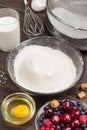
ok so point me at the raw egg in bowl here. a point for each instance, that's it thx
(18, 108)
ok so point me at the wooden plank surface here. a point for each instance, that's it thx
(9, 87)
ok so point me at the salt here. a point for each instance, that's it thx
(9, 33)
(43, 69)
(3, 78)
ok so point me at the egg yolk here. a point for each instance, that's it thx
(21, 111)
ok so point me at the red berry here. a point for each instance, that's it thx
(52, 129)
(82, 119)
(67, 128)
(48, 112)
(47, 123)
(78, 128)
(66, 105)
(75, 123)
(66, 118)
(75, 113)
(55, 119)
(42, 128)
(47, 128)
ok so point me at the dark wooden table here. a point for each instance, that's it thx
(7, 86)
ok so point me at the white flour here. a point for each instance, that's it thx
(43, 69)
(71, 18)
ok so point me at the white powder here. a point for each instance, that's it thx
(70, 18)
(43, 69)
(9, 33)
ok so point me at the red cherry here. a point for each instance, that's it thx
(75, 113)
(66, 118)
(55, 119)
(48, 112)
(67, 128)
(66, 105)
(78, 129)
(75, 123)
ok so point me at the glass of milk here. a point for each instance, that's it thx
(9, 29)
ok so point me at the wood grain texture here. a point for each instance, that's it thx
(9, 87)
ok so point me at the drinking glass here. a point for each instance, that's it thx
(9, 29)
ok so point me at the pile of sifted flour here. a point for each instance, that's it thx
(68, 22)
(71, 18)
(42, 69)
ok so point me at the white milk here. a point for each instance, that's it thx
(70, 18)
(9, 33)
(43, 69)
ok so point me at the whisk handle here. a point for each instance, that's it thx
(25, 2)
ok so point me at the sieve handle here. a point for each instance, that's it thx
(25, 2)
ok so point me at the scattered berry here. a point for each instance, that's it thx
(52, 129)
(82, 119)
(75, 113)
(48, 112)
(66, 118)
(47, 128)
(78, 129)
(47, 123)
(42, 128)
(75, 123)
(56, 119)
(67, 128)
(66, 105)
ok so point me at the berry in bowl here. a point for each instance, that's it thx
(62, 114)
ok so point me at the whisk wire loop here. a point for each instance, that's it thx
(33, 25)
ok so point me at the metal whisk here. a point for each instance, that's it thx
(33, 25)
